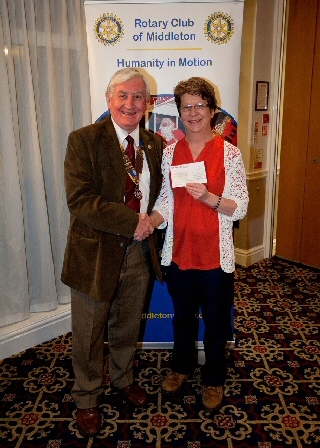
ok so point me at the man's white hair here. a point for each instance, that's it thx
(123, 75)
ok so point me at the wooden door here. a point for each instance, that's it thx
(298, 214)
(310, 236)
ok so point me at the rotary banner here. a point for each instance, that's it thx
(169, 41)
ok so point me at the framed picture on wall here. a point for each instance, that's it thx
(262, 95)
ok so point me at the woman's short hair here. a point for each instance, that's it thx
(123, 75)
(196, 86)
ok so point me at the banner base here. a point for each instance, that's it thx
(169, 345)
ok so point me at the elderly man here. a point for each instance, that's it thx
(112, 178)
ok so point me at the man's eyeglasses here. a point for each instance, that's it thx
(196, 107)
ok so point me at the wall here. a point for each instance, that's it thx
(261, 60)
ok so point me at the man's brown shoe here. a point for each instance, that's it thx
(135, 395)
(212, 397)
(173, 382)
(89, 421)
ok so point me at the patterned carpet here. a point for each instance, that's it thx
(272, 394)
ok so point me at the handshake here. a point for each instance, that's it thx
(144, 228)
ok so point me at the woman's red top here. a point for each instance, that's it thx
(196, 225)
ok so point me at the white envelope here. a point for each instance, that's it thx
(188, 172)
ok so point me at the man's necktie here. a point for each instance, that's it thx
(130, 199)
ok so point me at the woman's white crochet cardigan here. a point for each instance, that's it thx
(235, 188)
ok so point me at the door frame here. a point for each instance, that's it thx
(274, 142)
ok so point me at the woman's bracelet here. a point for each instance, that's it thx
(218, 203)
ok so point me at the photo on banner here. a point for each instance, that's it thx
(168, 41)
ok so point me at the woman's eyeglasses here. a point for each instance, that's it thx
(196, 107)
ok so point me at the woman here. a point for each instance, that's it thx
(198, 247)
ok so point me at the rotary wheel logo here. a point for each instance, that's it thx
(108, 29)
(219, 28)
